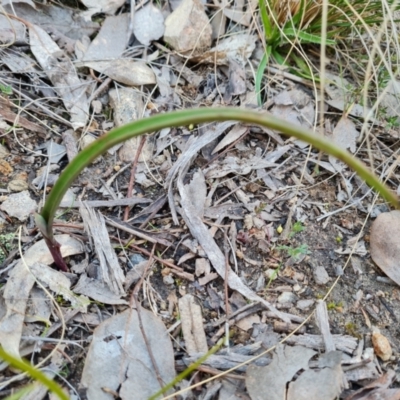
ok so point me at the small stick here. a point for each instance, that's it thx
(134, 299)
(227, 149)
(100, 89)
(227, 306)
(176, 270)
(133, 172)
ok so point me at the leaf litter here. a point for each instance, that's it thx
(235, 195)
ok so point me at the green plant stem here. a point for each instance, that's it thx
(260, 74)
(188, 370)
(34, 373)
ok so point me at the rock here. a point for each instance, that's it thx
(168, 279)
(135, 259)
(188, 28)
(19, 182)
(382, 346)
(128, 106)
(304, 304)
(68, 199)
(19, 205)
(287, 297)
(258, 222)
(271, 274)
(18, 185)
(5, 168)
(148, 24)
(2, 224)
(321, 277)
(3, 152)
(86, 141)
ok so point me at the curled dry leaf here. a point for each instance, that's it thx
(382, 346)
(385, 246)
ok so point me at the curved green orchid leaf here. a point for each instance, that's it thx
(198, 116)
(34, 373)
(305, 37)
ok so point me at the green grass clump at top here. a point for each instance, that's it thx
(289, 25)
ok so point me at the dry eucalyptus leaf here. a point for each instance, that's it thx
(270, 382)
(62, 74)
(148, 24)
(126, 71)
(21, 281)
(322, 384)
(118, 358)
(111, 41)
(344, 135)
(11, 30)
(385, 246)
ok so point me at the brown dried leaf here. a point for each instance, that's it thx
(385, 247)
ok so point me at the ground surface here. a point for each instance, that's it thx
(246, 199)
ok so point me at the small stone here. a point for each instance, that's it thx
(19, 205)
(321, 277)
(188, 28)
(87, 140)
(203, 266)
(5, 168)
(135, 259)
(17, 185)
(2, 224)
(271, 274)
(304, 304)
(248, 221)
(287, 297)
(68, 199)
(19, 182)
(382, 346)
(168, 279)
(3, 152)
(258, 222)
